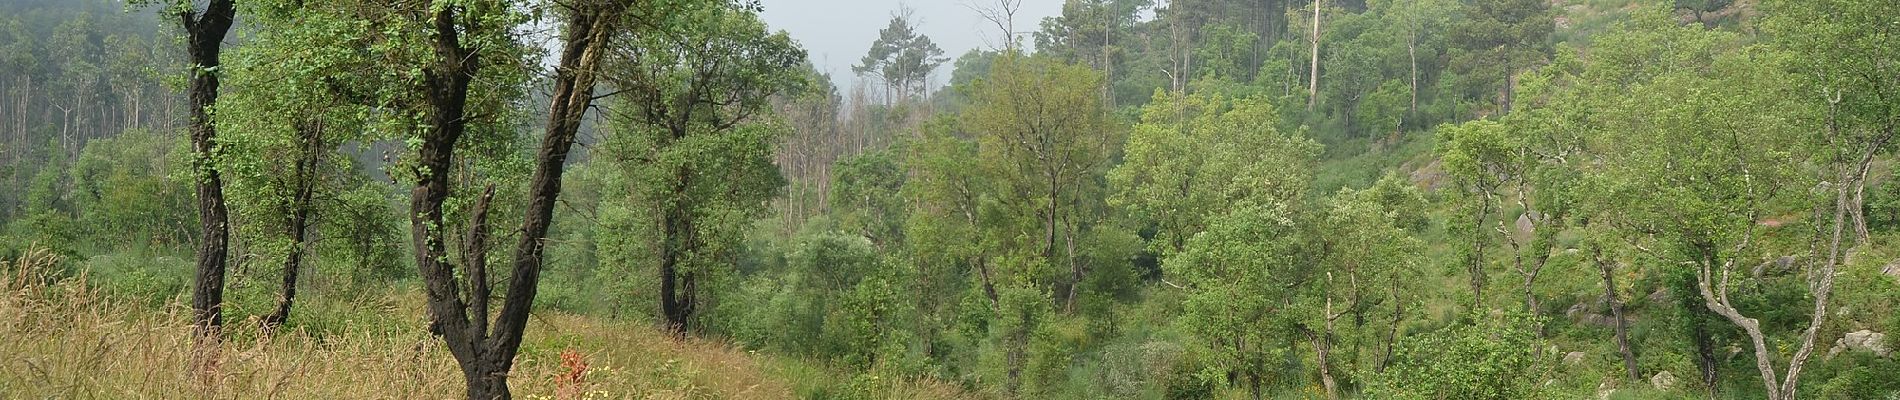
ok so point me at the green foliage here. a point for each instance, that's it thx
(362, 224)
(901, 57)
(693, 154)
(128, 192)
(1238, 274)
(1491, 357)
(1868, 378)
(1225, 51)
(144, 275)
(1195, 156)
(864, 193)
(1139, 209)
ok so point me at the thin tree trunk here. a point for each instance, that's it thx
(1323, 344)
(1075, 271)
(297, 222)
(205, 33)
(1312, 84)
(1705, 358)
(1857, 205)
(1822, 287)
(1616, 310)
(1477, 250)
(1392, 333)
(1411, 51)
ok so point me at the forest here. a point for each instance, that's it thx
(1144, 199)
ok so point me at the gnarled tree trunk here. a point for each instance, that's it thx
(462, 319)
(204, 33)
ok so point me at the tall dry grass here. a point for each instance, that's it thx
(61, 339)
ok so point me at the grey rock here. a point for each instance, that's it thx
(1862, 340)
(1575, 310)
(1659, 296)
(1575, 357)
(1525, 226)
(1663, 380)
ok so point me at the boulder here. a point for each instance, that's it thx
(1862, 340)
(1663, 380)
(1526, 225)
(1776, 266)
(1659, 296)
(1584, 313)
(1573, 358)
(1576, 309)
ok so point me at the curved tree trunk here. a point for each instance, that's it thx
(205, 33)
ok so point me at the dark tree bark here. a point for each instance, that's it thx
(1616, 310)
(204, 32)
(462, 319)
(676, 296)
(447, 80)
(297, 222)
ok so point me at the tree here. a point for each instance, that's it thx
(1416, 23)
(450, 59)
(464, 41)
(1501, 38)
(204, 39)
(1724, 161)
(131, 189)
(1047, 137)
(817, 141)
(1845, 54)
(1241, 275)
(285, 115)
(1365, 257)
(901, 57)
(1699, 8)
(1312, 83)
(691, 137)
(866, 194)
(1096, 32)
(1564, 118)
(1193, 156)
(1523, 158)
(1479, 155)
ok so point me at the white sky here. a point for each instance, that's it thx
(837, 33)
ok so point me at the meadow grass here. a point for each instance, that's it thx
(66, 339)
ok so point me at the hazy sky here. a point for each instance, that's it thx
(839, 32)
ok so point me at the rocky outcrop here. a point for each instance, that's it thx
(1861, 340)
(1585, 314)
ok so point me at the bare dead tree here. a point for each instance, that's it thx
(1001, 13)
